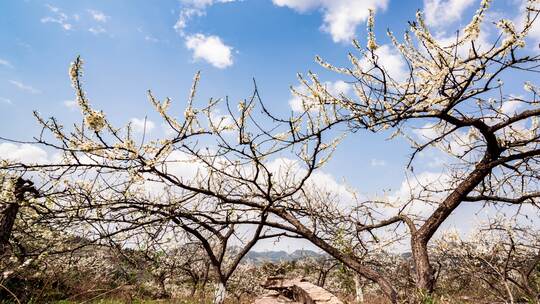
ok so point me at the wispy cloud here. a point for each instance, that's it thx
(98, 16)
(5, 63)
(97, 30)
(194, 8)
(71, 104)
(24, 87)
(151, 38)
(58, 17)
(5, 100)
(377, 162)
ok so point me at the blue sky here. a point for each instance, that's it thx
(130, 46)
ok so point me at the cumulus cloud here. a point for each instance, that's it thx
(210, 49)
(5, 63)
(24, 87)
(334, 88)
(285, 170)
(391, 59)
(25, 153)
(340, 17)
(509, 107)
(444, 12)
(142, 125)
(412, 196)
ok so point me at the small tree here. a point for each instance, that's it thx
(501, 259)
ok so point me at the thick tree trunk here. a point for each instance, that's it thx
(424, 274)
(220, 293)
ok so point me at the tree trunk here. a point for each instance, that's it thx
(9, 213)
(358, 288)
(163, 293)
(7, 220)
(194, 285)
(350, 260)
(220, 293)
(424, 274)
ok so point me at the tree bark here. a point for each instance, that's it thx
(7, 220)
(220, 293)
(351, 261)
(424, 273)
(358, 289)
(9, 213)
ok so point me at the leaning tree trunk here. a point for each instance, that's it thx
(351, 261)
(424, 274)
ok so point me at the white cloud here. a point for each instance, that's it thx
(25, 153)
(185, 15)
(392, 61)
(65, 25)
(509, 107)
(151, 39)
(286, 171)
(5, 100)
(24, 87)
(59, 18)
(98, 16)
(334, 88)
(220, 120)
(341, 17)
(534, 32)
(142, 125)
(97, 30)
(5, 63)
(420, 193)
(194, 8)
(441, 12)
(377, 162)
(210, 49)
(71, 104)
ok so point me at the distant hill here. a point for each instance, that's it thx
(278, 256)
